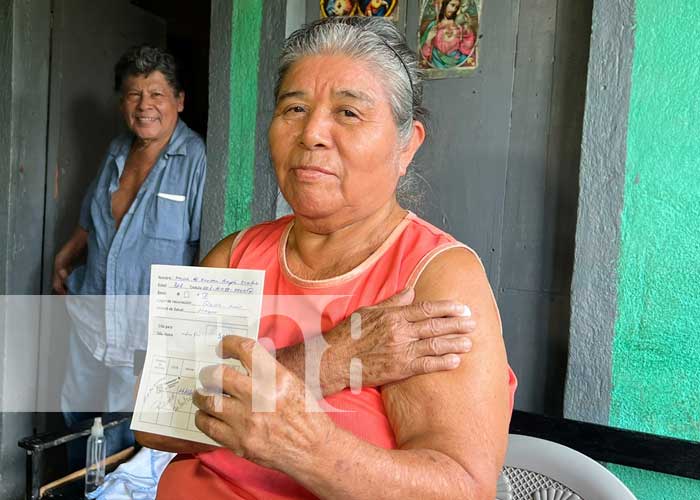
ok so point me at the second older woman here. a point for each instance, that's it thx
(346, 127)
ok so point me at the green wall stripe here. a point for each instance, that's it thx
(656, 350)
(246, 22)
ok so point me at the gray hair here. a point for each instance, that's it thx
(144, 60)
(373, 40)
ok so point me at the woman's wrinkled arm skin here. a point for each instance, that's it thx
(171, 444)
(390, 347)
(451, 427)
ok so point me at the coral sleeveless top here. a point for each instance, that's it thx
(295, 309)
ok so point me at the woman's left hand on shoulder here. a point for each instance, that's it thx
(267, 416)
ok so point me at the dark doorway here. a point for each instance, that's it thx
(87, 37)
(187, 37)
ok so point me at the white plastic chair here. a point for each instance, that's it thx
(536, 469)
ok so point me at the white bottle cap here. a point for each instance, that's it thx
(97, 429)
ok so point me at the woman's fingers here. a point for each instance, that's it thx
(227, 380)
(241, 348)
(218, 430)
(438, 327)
(423, 310)
(257, 390)
(246, 350)
(431, 364)
(439, 346)
(214, 404)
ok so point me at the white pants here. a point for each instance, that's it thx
(92, 387)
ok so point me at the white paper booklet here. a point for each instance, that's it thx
(190, 310)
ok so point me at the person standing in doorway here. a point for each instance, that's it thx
(143, 208)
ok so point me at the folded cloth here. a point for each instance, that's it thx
(136, 479)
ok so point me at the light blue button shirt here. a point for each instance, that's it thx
(161, 226)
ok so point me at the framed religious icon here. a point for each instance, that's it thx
(391, 9)
(448, 37)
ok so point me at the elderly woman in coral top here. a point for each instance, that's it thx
(346, 127)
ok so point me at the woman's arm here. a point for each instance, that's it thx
(451, 427)
(171, 444)
(391, 347)
(221, 253)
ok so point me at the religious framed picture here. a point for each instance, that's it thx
(331, 8)
(448, 37)
(391, 9)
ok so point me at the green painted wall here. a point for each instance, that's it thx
(246, 22)
(656, 352)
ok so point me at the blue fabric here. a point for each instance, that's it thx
(161, 226)
(136, 479)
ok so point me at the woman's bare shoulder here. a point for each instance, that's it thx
(456, 273)
(463, 413)
(220, 255)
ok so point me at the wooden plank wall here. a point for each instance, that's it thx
(500, 172)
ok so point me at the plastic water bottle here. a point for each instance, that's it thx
(95, 458)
